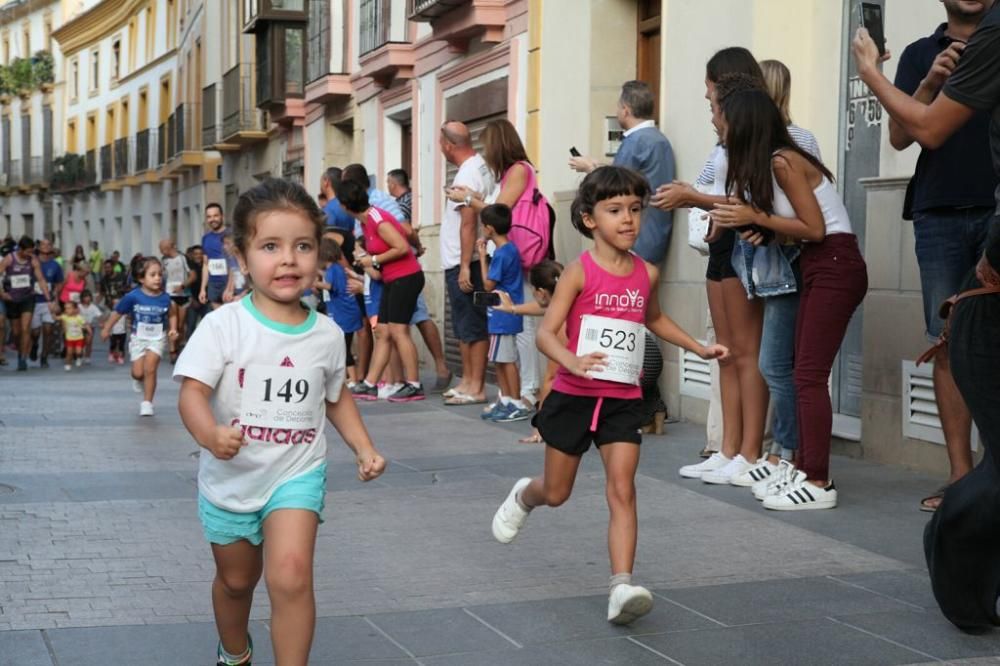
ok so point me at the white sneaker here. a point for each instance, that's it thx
(762, 471)
(783, 476)
(145, 408)
(712, 463)
(385, 390)
(79, 362)
(510, 517)
(627, 603)
(137, 385)
(731, 470)
(67, 367)
(803, 497)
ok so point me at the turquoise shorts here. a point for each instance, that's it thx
(223, 527)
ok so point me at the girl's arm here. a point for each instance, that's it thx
(488, 284)
(346, 418)
(667, 329)
(172, 319)
(109, 324)
(547, 340)
(532, 309)
(792, 173)
(42, 282)
(196, 413)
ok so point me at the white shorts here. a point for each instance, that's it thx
(42, 315)
(137, 346)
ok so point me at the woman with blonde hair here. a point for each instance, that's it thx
(778, 84)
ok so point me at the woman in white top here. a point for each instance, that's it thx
(793, 194)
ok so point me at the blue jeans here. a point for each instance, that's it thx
(949, 243)
(777, 363)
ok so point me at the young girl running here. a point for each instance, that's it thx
(341, 305)
(260, 376)
(797, 199)
(149, 308)
(604, 299)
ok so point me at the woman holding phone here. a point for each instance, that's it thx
(792, 194)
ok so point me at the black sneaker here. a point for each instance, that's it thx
(44, 363)
(33, 354)
(363, 391)
(408, 393)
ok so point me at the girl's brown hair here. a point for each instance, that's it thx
(273, 194)
(142, 265)
(329, 250)
(502, 147)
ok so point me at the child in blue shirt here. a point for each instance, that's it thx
(341, 305)
(503, 274)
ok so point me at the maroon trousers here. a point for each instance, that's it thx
(834, 282)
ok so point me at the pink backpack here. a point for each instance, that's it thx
(533, 220)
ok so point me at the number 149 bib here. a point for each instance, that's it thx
(277, 397)
(621, 341)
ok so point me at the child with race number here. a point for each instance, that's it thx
(543, 278)
(260, 377)
(149, 308)
(92, 315)
(603, 299)
(76, 330)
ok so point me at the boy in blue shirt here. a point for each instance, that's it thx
(503, 274)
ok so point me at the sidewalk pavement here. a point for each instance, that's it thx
(102, 559)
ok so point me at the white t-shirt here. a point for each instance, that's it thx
(255, 364)
(475, 175)
(90, 313)
(175, 270)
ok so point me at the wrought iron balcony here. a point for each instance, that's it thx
(163, 140)
(40, 171)
(90, 164)
(210, 128)
(428, 10)
(16, 174)
(142, 152)
(242, 121)
(121, 158)
(106, 163)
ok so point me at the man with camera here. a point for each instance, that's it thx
(950, 200)
(962, 541)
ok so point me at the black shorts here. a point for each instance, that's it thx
(468, 320)
(17, 308)
(720, 258)
(564, 422)
(181, 301)
(399, 299)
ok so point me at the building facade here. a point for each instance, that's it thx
(168, 104)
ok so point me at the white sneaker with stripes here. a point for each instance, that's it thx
(783, 476)
(762, 471)
(803, 497)
(714, 462)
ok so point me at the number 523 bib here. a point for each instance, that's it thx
(277, 397)
(621, 341)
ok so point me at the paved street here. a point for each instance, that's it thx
(102, 560)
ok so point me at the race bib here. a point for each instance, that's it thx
(74, 296)
(279, 397)
(621, 341)
(217, 267)
(173, 287)
(149, 331)
(20, 281)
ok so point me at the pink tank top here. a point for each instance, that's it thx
(397, 268)
(606, 295)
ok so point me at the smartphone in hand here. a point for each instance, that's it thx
(574, 152)
(487, 299)
(871, 20)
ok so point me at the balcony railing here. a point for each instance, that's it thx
(16, 175)
(90, 163)
(161, 144)
(209, 115)
(428, 10)
(374, 24)
(106, 163)
(179, 137)
(121, 158)
(142, 152)
(239, 106)
(40, 171)
(171, 137)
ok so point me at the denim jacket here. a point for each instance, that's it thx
(765, 270)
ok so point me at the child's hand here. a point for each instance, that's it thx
(173, 335)
(227, 442)
(370, 465)
(506, 304)
(585, 364)
(717, 352)
(481, 247)
(105, 334)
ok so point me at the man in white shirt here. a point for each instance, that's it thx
(459, 230)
